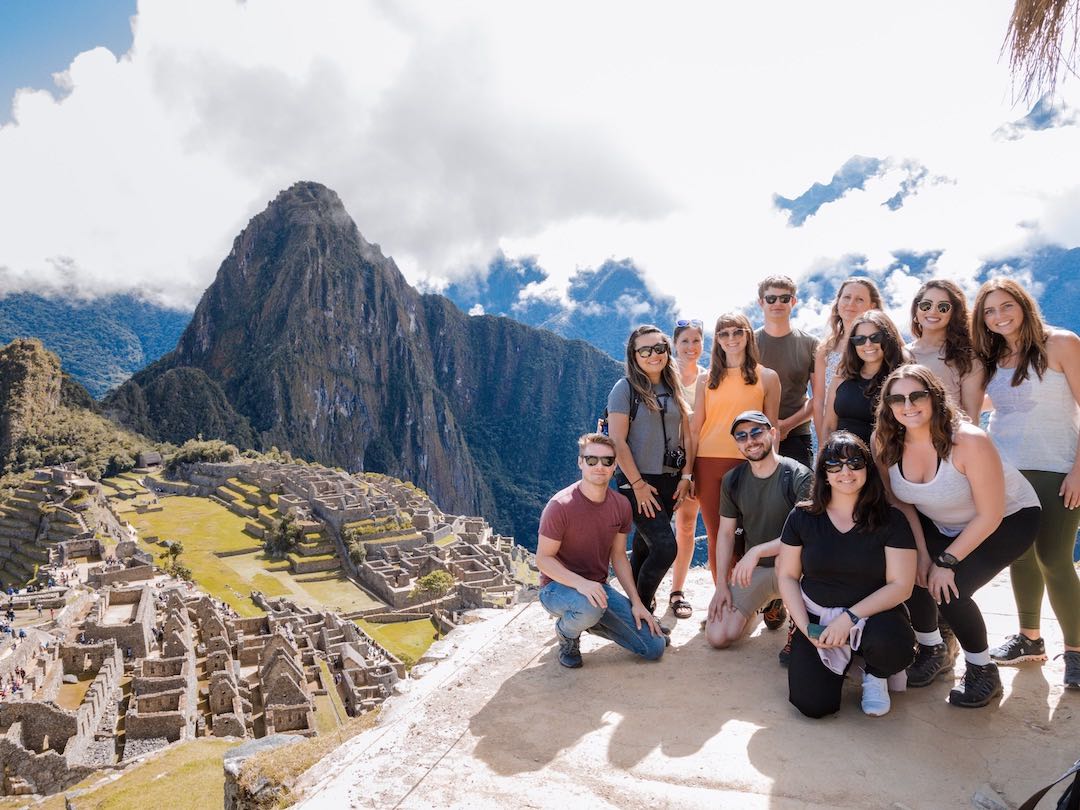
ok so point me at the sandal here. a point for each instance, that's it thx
(679, 606)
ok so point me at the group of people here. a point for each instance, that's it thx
(873, 547)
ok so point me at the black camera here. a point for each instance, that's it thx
(675, 459)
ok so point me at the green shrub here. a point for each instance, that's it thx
(432, 586)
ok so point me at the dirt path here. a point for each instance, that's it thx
(500, 724)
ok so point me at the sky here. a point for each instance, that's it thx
(686, 137)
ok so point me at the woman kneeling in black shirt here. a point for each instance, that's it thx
(847, 562)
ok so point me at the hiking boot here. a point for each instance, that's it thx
(1019, 648)
(1072, 668)
(785, 653)
(930, 661)
(980, 685)
(774, 614)
(569, 651)
(875, 696)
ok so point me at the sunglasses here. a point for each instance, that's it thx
(607, 461)
(783, 299)
(834, 465)
(741, 436)
(942, 306)
(900, 399)
(876, 337)
(683, 322)
(649, 351)
(728, 334)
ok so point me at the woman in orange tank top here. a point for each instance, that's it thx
(736, 382)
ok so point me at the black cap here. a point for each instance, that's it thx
(751, 416)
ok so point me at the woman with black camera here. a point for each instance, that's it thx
(847, 563)
(648, 421)
(720, 397)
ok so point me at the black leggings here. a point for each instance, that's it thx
(887, 647)
(654, 547)
(1013, 536)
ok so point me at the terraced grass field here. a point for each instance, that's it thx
(407, 640)
(205, 527)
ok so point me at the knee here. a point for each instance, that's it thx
(589, 614)
(814, 706)
(717, 638)
(654, 648)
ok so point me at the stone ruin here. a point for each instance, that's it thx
(405, 535)
(56, 516)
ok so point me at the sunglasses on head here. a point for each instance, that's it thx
(728, 334)
(683, 322)
(649, 351)
(741, 436)
(834, 465)
(900, 399)
(942, 306)
(876, 337)
(592, 461)
(785, 298)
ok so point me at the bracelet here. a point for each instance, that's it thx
(635, 483)
(687, 477)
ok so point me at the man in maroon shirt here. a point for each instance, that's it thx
(582, 530)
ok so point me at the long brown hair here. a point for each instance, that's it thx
(836, 323)
(959, 352)
(991, 348)
(944, 420)
(871, 507)
(892, 350)
(717, 360)
(639, 380)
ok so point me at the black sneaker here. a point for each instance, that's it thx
(774, 614)
(785, 654)
(1072, 668)
(569, 651)
(1019, 648)
(930, 661)
(979, 686)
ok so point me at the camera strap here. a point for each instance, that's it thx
(662, 399)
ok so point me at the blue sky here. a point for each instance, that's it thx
(40, 37)
(454, 132)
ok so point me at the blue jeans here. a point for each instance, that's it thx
(575, 614)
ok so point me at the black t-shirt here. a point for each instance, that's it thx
(841, 568)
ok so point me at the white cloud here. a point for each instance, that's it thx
(573, 132)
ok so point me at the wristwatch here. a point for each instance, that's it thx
(687, 477)
(946, 560)
(854, 619)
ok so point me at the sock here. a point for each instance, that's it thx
(868, 677)
(980, 659)
(929, 639)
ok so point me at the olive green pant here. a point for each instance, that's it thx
(1048, 564)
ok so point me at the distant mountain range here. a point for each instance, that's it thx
(310, 340)
(602, 306)
(100, 342)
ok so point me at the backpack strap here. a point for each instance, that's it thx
(1070, 800)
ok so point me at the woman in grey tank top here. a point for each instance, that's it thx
(1033, 373)
(971, 516)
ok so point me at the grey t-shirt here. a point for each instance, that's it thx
(763, 503)
(646, 437)
(792, 358)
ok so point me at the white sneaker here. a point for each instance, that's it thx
(875, 696)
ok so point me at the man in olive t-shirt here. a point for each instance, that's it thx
(790, 353)
(763, 499)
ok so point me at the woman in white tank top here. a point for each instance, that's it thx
(971, 516)
(1033, 373)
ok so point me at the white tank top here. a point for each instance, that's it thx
(947, 500)
(1036, 424)
(689, 391)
